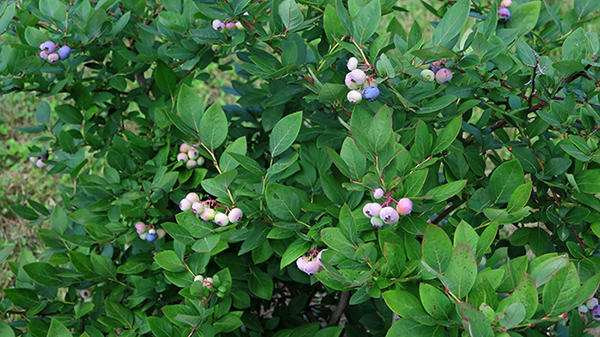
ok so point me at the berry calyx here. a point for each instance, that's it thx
(443, 76)
(389, 215)
(428, 75)
(218, 25)
(52, 58)
(372, 209)
(404, 206)
(84, 293)
(48, 46)
(235, 215)
(354, 96)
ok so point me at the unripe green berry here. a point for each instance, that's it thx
(354, 96)
(427, 75)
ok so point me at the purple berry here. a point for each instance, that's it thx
(48, 46)
(443, 76)
(64, 52)
(503, 15)
(596, 312)
(370, 93)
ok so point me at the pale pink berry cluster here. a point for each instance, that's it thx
(385, 214)
(228, 24)
(357, 80)
(207, 282)
(312, 263)
(39, 161)
(49, 53)
(148, 233)
(592, 306)
(204, 210)
(190, 156)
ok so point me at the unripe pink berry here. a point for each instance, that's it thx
(200, 161)
(389, 215)
(185, 205)
(352, 63)
(350, 84)
(52, 58)
(591, 303)
(161, 233)
(235, 215)
(198, 278)
(182, 157)
(221, 219)
(198, 207)
(319, 256)
(230, 25)
(301, 262)
(190, 164)
(192, 197)
(404, 206)
(39, 163)
(358, 76)
(43, 55)
(376, 222)
(354, 96)
(371, 209)
(184, 148)
(443, 76)
(208, 214)
(506, 3)
(140, 227)
(218, 25)
(193, 153)
(312, 267)
(378, 193)
(207, 282)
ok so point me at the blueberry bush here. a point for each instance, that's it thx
(368, 180)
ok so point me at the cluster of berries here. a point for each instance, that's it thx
(50, 54)
(361, 85)
(503, 12)
(203, 210)
(230, 25)
(437, 73)
(207, 282)
(312, 263)
(592, 306)
(190, 156)
(383, 213)
(39, 161)
(150, 234)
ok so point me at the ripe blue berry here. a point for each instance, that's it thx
(64, 52)
(151, 236)
(503, 15)
(48, 46)
(370, 93)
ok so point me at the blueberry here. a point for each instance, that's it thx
(64, 52)
(151, 236)
(503, 15)
(370, 93)
(48, 46)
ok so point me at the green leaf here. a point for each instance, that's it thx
(381, 127)
(443, 192)
(464, 232)
(435, 302)
(447, 135)
(190, 108)
(290, 14)
(119, 312)
(159, 326)
(474, 321)
(451, 24)
(226, 162)
(526, 294)
(83, 308)
(347, 223)
(165, 79)
(284, 133)
(104, 266)
(43, 273)
(560, 293)
(519, 198)
(248, 163)
(407, 327)
(588, 181)
(260, 284)
(395, 258)
(207, 243)
(255, 239)
(437, 248)
(5, 252)
(42, 113)
(414, 183)
(5, 329)
(406, 304)
(169, 260)
(57, 329)
(366, 22)
(544, 271)
(22, 297)
(524, 17)
(180, 233)
(335, 239)
(462, 270)
(422, 145)
(486, 239)
(505, 179)
(332, 24)
(283, 201)
(583, 8)
(214, 130)
(59, 220)
(295, 250)
(437, 104)
(24, 212)
(355, 162)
